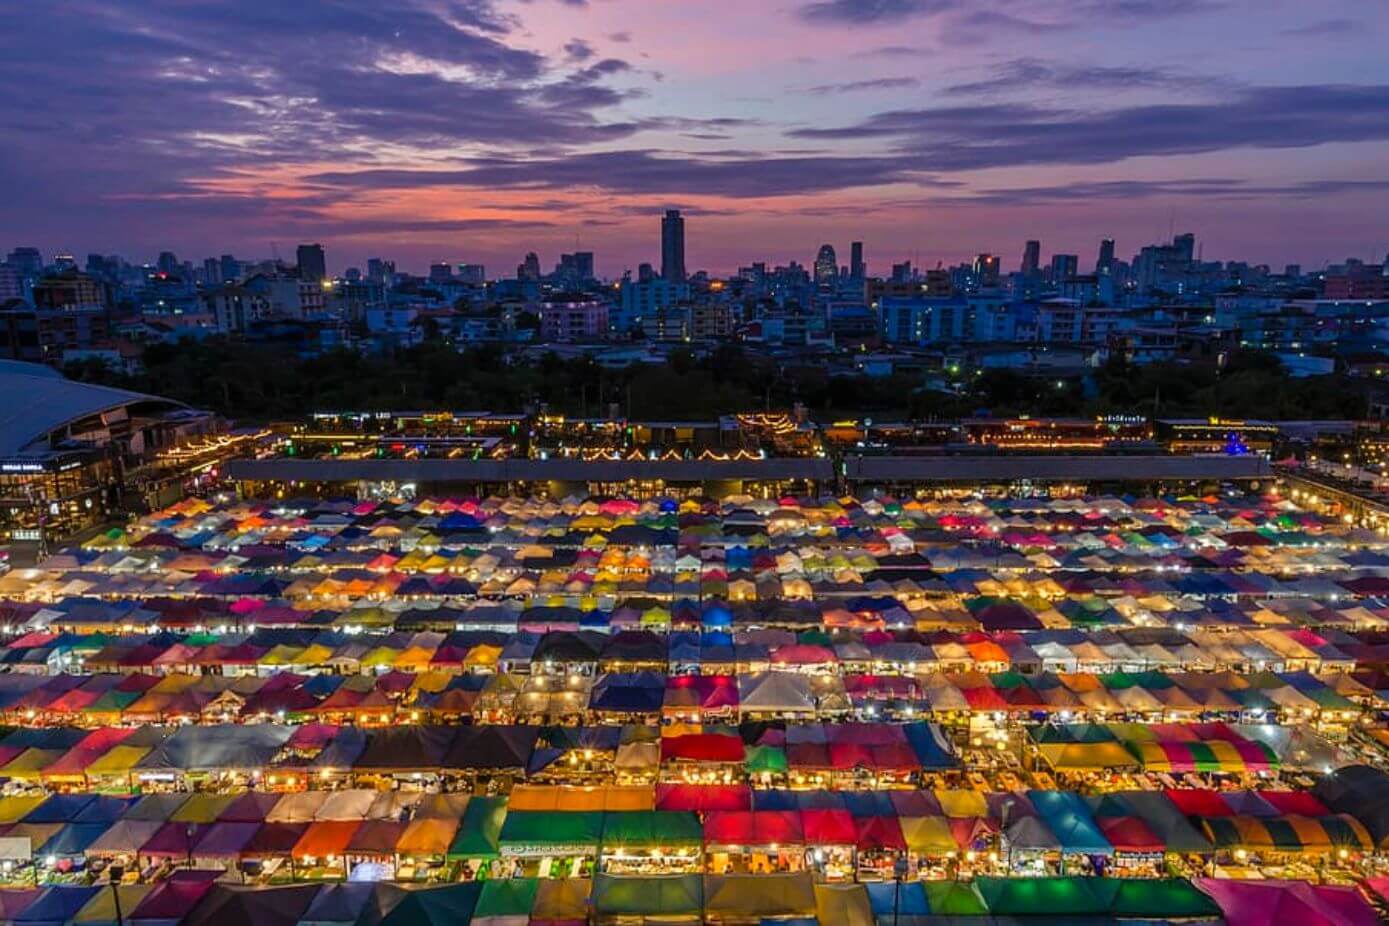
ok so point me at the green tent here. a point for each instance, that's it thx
(670, 895)
(1005, 681)
(1057, 896)
(113, 702)
(547, 832)
(478, 832)
(765, 759)
(507, 897)
(954, 898)
(1071, 733)
(450, 905)
(648, 829)
(1161, 898)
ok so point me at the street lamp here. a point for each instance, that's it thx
(1003, 814)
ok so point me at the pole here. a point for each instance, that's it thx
(114, 875)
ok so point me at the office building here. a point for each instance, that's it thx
(313, 266)
(643, 297)
(11, 287)
(380, 270)
(826, 265)
(1104, 264)
(70, 289)
(1031, 257)
(857, 268)
(574, 319)
(986, 269)
(673, 246)
(27, 262)
(1064, 266)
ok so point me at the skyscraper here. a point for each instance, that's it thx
(673, 246)
(27, 262)
(857, 268)
(530, 267)
(1105, 263)
(1031, 257)
(1063, 267)
(986, 267)
(313, 266)
(378, 269)
(826, 265)
(1186, 246)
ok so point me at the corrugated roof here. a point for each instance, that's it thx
(36, 401)
(1121, 468)
(529, 470)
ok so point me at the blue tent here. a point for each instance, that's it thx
(907, 898)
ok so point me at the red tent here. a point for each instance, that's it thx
(829, 828)
(1199, 802)
(703, 798)
(702, 747)
(1130, 834)
(879, 833)
(753, 828)
(1298, 803)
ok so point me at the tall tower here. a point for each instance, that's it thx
(313, 266)
(673, 246)
(1031, 257)
(1105, 263)
(826, 265)
(857, 268)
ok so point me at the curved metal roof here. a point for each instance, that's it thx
(35, 400)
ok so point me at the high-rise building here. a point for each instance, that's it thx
(1186, 246)
(986, 268)
(530, 267)
(857, 268)
(70, 289)
(440, 272)
(472, 274)
(1063, 267)
(826, 265)
(167, 263)
(1031, 257)
(212, 272)
(379, 270)
(673, 246)
(313, 266)
(1105, 262)
(575, 268)
(27, 262)
(10, 286)
(231, 268)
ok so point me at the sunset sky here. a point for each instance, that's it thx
(475, 130)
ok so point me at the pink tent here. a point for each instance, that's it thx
(1270, 903)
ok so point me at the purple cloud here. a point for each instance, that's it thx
(1014, 134)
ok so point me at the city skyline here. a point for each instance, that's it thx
(479, 131)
